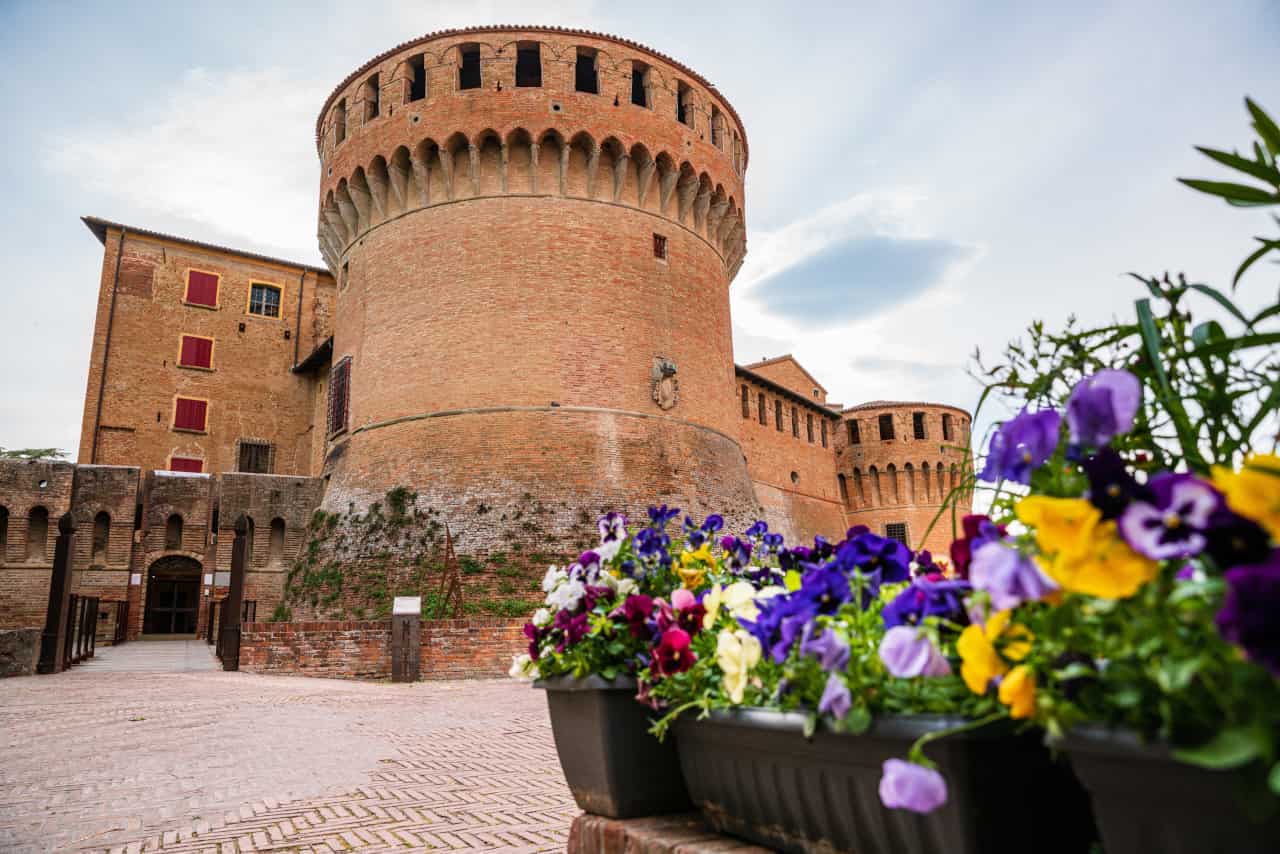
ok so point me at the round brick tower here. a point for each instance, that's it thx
(896, 464)
(534, 230)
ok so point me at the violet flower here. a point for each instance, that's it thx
(978, 529)
(1102, 407)
(836, 700)
(1174, 522)
(661, 515)
(907, 653)
(908, 786)
(1008, 576)
(1249, 612)
(1111, 486)
(613, 530)
(1021, 445)
(925, 598)
(1233, 540)
(831, 651)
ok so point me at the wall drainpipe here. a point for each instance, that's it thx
(297, 330)
(106, 349)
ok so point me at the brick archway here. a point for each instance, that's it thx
(172, 599)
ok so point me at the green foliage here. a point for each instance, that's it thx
(32, 454)
(282, 614)
(470, 566)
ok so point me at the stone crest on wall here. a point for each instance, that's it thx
(666, 388)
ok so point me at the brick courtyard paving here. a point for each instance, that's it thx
(212, 761)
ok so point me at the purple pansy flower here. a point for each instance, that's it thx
(1234, 540)
(1111, 486)
(1248, 615)
(1173, 523)
(1009, 577)
(925, 598)
(613, 530)
(836, 700)
(880, 560)
(908, 786)
(907, 653)
(652, 544)
(757, 530)
(661, 515)
(1102, 407)
(826, 587)
(1021, 445)
(830, 650)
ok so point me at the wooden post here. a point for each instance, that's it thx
(229, 633)
(52, 640)
(406, 638)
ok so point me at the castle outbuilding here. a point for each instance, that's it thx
(529, 236)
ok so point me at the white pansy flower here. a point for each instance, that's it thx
(609, 550)
(626, 587)
(553, 577)
(541, 617)
(567, 596)
(523, 668)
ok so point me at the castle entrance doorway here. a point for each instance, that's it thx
(173, 597)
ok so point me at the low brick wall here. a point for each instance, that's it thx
(360, 649)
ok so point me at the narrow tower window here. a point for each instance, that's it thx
(896, 531)
(275, 546)
(746, 403)
(886, 427)
(340, 122)
(469, 66)
(4, 533)
(684, 113)
(586, 78)
(660, 247)
(809, 425)
(173, 532)
(339, 390)
(37, 533)
(417, 77)
(372, 98)
(761, 410)
(855, 437)
(639, 84)
(824, 432)
(101, 537)
(917, 425)
(777, 415)
(717, 127)
(795, 422)
(528, 64)
(947, 432)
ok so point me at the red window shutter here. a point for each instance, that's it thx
(202, 288)
(196, 352)
(190, 414)
(186, 464)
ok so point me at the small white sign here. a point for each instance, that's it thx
(135, 579)
(407, 605)
(208, 579)
(222, 579)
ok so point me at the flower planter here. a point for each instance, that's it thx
(613, 766)
(1146, 800)
(754, 775)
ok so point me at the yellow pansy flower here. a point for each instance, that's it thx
(1062, 525)
(1018, 692)
(693, 567)
(736, 653)
(1105, 566)
(738, 597)
(980, 661)
(1254, 491)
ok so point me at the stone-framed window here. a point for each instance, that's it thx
(195, 351)
(255, 456)
(896, 531)
(202, 288)
(190, 414)
(264, 299)
(886, 427)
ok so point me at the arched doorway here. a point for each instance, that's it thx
(173, 596)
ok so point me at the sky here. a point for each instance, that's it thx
(925, 178)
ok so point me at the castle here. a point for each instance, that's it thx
(529, 235)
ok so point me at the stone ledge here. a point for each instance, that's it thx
(684, 833)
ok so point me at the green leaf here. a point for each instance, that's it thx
(1261, 171)
(810, 725)
(1265, 127)
(1207, 333)
(1230, 748)
(1273, 779)
(1267, 246)
(1174, 676)
(1127, 697)
(609, 672)
(1222, 300)
(1235, 194)
(1244, 342)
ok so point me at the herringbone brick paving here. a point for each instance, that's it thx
(223, 762)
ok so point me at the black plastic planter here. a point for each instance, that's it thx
(1146, 800)
(754, 775)
(613, 766)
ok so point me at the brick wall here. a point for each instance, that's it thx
(250, 389)
(359, 649)
(26, 558)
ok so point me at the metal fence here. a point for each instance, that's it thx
(82, 629)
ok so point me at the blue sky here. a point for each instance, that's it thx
(925, 178)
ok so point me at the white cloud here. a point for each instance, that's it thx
(232, 150)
